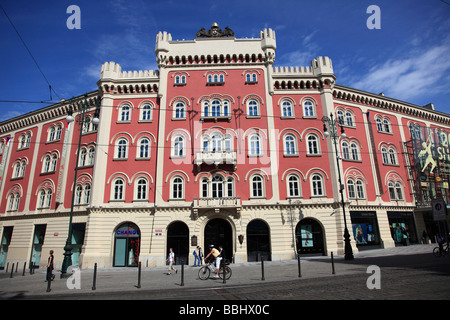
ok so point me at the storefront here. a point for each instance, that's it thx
(126, 245)
(258, 241)
(365, 228)
(309, 237)
(403, 227)
(6, 240)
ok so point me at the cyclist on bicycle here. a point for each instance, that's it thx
(216, 254)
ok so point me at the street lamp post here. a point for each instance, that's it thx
(82, 120)
(333, 134)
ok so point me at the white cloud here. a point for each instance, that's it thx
(418, 73)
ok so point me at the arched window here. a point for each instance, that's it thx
(349, 119)
(360, 189)
(293, 186)
(53, 163)
(82, 161)
(257, 187)
(354, 150)
(230, 187)
(146, 112)
(255, 145)
(23, 164)
(345, 150)
(287, 109)
(51, 135)
(384, 155)
(308, 109)
(379, 125)
(392, 156)
(78, 194)
(399, 191)
(252, 108)
(122, 145)
(125, 113)
(204, 188)
(215, 108)
(144, 148)
(46, 166)
(179, 110)
(119, 189)
(87, 193)
(317, 186)
(58, 132)
(290, 145)
(340, 116)
(178, 147)
(386, 126)
(177, 188)
(216, 142)
(217, 187)
(351, 189)
(91, 156)
(141, 189)
(313, 144)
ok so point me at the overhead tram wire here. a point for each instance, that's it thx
(34, 59)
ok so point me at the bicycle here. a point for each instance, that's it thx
(206, 270)
(439, 253)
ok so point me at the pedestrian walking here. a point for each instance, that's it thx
(171, 260)
(197, 261)
(50, 276)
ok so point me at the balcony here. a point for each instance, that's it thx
(227, 203)
(215, 158)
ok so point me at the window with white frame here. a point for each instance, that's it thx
(217, 186)
(46, 164)
(389, 155)
(179, 110)
(82, 158)
(255, 145)
(290, 145)
(144, 148)
(45, 199)
(91, 156)
(51, 134)
(251, 78)
(395, 190)
(122, 149)
(312, 141)
(257, 186)
(355, 189)
(253, 108)
(309, 110)
(293, 182)
(146, 112)
(142, 189)
(13, 202)
(125, 113)
(349, 119)
(317, 186)
(53, 163)
(287, 110)
(340, 116)
(178, 147)
(354, 151)
(180, 79)
(177, 188)
(118, 192)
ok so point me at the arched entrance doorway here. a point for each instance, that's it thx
(219, 233)
(127, 243)
(309, 237)
(178, 240)
(258, 241)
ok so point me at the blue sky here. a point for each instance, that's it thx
(407, 59)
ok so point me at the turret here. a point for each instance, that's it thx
(162, 47)
(322, 66)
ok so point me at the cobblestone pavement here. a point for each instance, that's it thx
(407, 273)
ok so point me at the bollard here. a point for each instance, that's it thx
(262, 268)
(49, 281)
(24, 267)
(139, 275)
(7, 267)
(299, 267)
(95, 277)
(223, 272)
(12, 270)
(332, 263)
(182, 274)
(17, 265)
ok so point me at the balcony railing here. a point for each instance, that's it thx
(216, 158)
(206, 204)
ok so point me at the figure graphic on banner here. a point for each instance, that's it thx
(429, 159)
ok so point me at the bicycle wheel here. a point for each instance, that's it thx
(437, 252)
(204, 272)
(227, 273)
